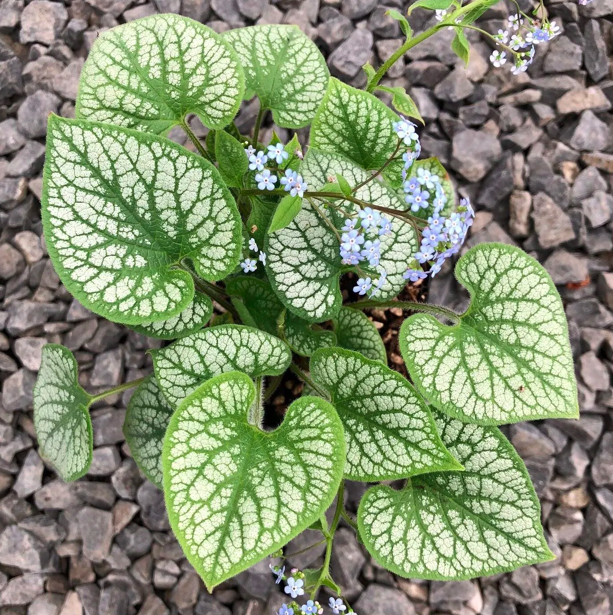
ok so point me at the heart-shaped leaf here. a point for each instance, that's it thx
(304, 262)
(355, 125)
(284, 68)
(235, 493)
(144, 427)
(181, 367)
(389, 430)
(122, 209)
(61, 415)
(286, 211)
(192, 318)
(355, 331)
(509, 357)
(150, 73)
(458, 525)
(303, 337)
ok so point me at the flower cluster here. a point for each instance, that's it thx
(519, 37)
(294, 588)
(423, 190)
(265, 179)
(249, 265)
(294, 184)
(442, 238)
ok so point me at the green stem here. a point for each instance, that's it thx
(273, 385)
(307, 379)
(256, 412)
(196, 141)
(316, 544)
(118, 389)
(435, 310)
(345, 515)
(325, 570)
(258, 124)
(379, 171)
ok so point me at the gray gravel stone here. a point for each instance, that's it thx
(474, 153)
(605, 288)
(590, 134)
(11, 262)
(11, 138)
(96, 531)
(454, 87)
(153, 510)
(598, 208)
(356, 9)
(11, 82)
(347, 59)
(565, 267)
(30, 477)
(595, 51)
(34, 111)
(552, 226)
(563, 56)
(594, 372)
(42, 22)
(21, 549)
(381, 600)
(17, 390)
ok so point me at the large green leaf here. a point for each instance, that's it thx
(303, 337)
(181, 367)
(389, 430)
(284, 68)
(145, 424)
(458, 525)
(304, 262)
(356, 125)
(61, 415)
(235, 493)
(509, 357)
(355, 331)
(150, 73)
(192, 318)
(121, 209)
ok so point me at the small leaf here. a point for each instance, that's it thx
(509, 358)
(389, 430)
(286, 211)
(355, 331)
(181, 367)
(370, 72)
(477, 10)
(61, 415)
(402, 20)
(121, 209)
(193, 317)
(262, 211)
(344, 185)
(433, 5)
(259, 300)
(150, 73)
(144, 427)
(303, 337)
(402, 102)
(355, 125)
(231, 157)
(284, 68)
(235, 493)
(461, 46)
(458, 525)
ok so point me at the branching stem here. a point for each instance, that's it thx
(414, 306)
(308, 380)
(258, 124)
(196, 141)
(118, 389)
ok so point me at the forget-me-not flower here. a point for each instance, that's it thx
(277, 153)
(257, 161)
(362, 286)
(265, 180)
(249, 265)
(351, 241)
(294, 587)
(336, 605)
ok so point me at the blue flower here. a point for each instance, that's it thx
(265, 180)
(436, 267)
(249, 265)
(538, 36)
(411, 185)
(369, 217)
(385, 226)
(413, 275)
(277, 153)
(294, 587)
(426, 178)
(350, 258)
(362, 286)
(310, 608)
(258, 161)
(286, 610)
(440, 198)
(336, 605)
(379, 282)
(405, 130)
(289, 180)
(253, 246)
(418, 200)
(430, 237)
(250, 151)
(425, 254)
(262, 258)
(351, 241)
(349, 225)
(371, 252)
(436, 223)
(408, 159)
(278, 572)
(299, 187)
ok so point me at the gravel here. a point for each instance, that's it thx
(533, 152)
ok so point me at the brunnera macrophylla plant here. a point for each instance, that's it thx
(146, 233)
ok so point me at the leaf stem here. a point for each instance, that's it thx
(256, 412)
(258, 124)
(273, 385)
(196, 141)
(435, 310)
(345, 515)
(118, 389)
(316, 544)
(307, 379)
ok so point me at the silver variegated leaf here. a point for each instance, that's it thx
(61, 414)
(145, 424)
(284, 68)
(150, 73)
(509, 358)
(458, 525)
(122, 209)
(355, 331)
(184, 365)
(389, 430)
(235, 493)
(303, 337)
